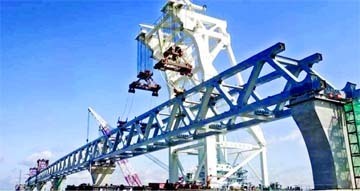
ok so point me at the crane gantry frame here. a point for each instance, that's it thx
(200, 39)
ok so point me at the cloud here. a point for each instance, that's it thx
(294, 135)
(9, 179)
(30, 161)
(6, 183)
(152, 175)
(297, 175)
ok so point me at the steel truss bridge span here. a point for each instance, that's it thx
(193, 114)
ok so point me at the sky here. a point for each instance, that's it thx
(60, 57)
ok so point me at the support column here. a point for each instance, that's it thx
(222, 155)
(57, 183)
(264, 167)
(211, 159)
(258, 135)
(100, 174)
(173, 165)
(40, 186)
(322, 126)
(30, 188)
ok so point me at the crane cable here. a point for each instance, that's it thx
(127, 108)
(88, 127)
(130, 107)
(126, 105)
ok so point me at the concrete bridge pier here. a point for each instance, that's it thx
(57, 183)
(101, 173)
(30, 188)
(40, 186)
(322, 125)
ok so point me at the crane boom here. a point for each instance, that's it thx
(103, 125)
(131, 177)
(157, 161)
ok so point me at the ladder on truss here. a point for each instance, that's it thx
(352, 117)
